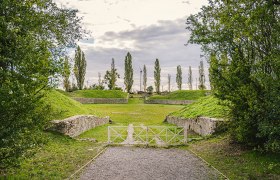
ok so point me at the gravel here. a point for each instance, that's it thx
(147, 163)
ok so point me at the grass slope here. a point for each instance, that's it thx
(236, 162)
(57, 159)
(206, 106)
(63, 106)
(181, 95)
(97, 94)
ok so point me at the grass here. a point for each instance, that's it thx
(236, 162)
(181, 95)
(63, 106)
(135, 112)
(206, 106)
(58, 159)
(97, 94)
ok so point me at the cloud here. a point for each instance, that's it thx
(164, 40)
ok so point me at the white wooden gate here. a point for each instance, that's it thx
(147, 135)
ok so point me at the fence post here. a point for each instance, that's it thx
(109, 135)
(185, 134)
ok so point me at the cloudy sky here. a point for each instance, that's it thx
(148, 29)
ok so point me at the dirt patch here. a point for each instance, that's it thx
(148, 163)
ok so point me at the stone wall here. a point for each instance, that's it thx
(201, 125)
(102, 100)
(168, 101)
(76, 125)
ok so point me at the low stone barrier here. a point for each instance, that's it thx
(102, 100)
(168, 101)
(76, 125)
(202, 125)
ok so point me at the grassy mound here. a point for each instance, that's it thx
(206, 106)
(97, 94)
(63, 106)
(181, 95)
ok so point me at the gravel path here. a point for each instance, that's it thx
(147, 163)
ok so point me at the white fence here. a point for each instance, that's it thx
(147, 135)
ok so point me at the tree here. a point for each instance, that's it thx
(33, 37)
(145, 78)
(150, 89)
(169, 82)
(111, 76)
(157, 76)
(80, 67)
(242, 41)
(201, 77)
(128, 72)
(179, 77)
(66, 74)
(190, 80)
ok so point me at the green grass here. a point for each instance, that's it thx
(97, 94)
(135, 112)
(235, 162)
(206, 106)
(63, 106)
(58, 159)
(181, 95)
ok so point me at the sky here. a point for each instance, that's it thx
(148, 29)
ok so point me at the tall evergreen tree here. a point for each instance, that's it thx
(190, 79)
(80, 67)
(128, 72)
(179, 77)
(66, 74)
(111, 76)
(157, 76)
(169, 82)
(145, 78)
(201, 77)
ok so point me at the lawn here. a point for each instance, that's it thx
(236, 162)
(135, 112)
(58, 159)
(182, 95)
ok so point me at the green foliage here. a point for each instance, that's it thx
(181, 95)
(150, 89)
(242, 39)
(201, 78)
(157, 76)
(66, 74)
(98, 94)
(208, 106)
(179, 77)
(128, 73)
(80, 67)
(145, 78)
(111, 76)
(33, 35)
(190, 78)
(169, 82)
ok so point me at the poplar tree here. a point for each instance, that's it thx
(201, 77)
(179, 77)
(145, 78)
(66, 74)
(190, 79)
(80, 67)
(157, 76)
(128, 72)
(169, 82)
(111, 76)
